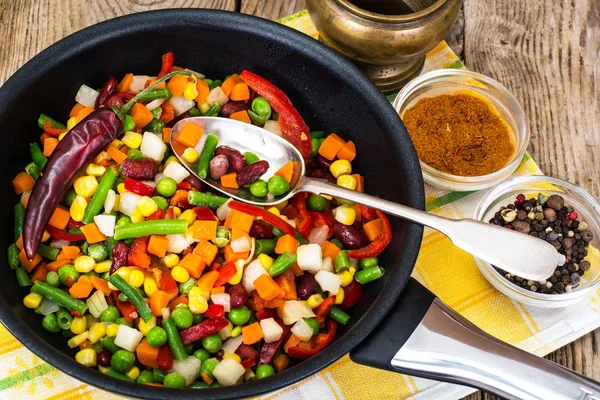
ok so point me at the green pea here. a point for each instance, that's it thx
(129, 124)
(316, 203)
(174, 380)
(50, 324)
(158, 375)
(135, 154)
(208, 366)
(368, 262)
(182, 317)
(211, 343)
(277, 185)
(250, 157)
(185, 287)
(198, 318)
(259, 188)
(160, 202)
(52, 279)
(156, 336)
(98, 252)
(262, 107)
(110, 314)
(68, 275)
(314, 145)
(122, 360)
(145, 377)
(201, 355)
(264, 371)
(223, 236)
(166, 187)
(312, 322)
(122, 321)
(239, 315)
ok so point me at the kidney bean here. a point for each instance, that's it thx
(194, 182)
(261, 230)
(219, 354)
(142, 169)
(175, 120)
(323, 162)
(109, 88)
(350, 236)
(232, 107)
(246, 352)
(104, 358)
(119, 255)
(237, 296)
(218, 166)
(235, 158)
(118, 99)
(306, 285)
(352, 293)
(320, 173)
(250, 173)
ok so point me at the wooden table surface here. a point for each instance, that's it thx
(546, 52)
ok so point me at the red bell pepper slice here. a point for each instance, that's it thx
(168, 285)
(248, 363)
(59, 234)
(164, 358)
(352, 293)
(375, 248)
(367, 213)
(316, 344)
(167, 64)
(215, 311)
(293, 127)
(203, 329)
(318, 220)
(264, 214)
(126, 308)
(215, 266)
(72, 224)
(322, 310)
(268, 350)
(138, 255)
(204, 213)
(226, 272)
(138, 188)
(299, 201)
(158, 214)
(185, 186)
(50, 129)
(265, 313)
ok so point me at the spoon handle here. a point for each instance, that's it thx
(514, 252)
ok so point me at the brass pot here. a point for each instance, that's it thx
(389, 45)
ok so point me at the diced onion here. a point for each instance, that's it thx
(310, 257)
(223, 299)
(272, 331)
(252, 250)
(128, 338)
(48, 307)
(293, 310)
(138, 83)
(176, 171)
(59, 244)
(328, 281)
(241, 244)
(217, 96)
(302, 330)
(86, 96)
(106, 224)
(232, 344)
(251, 273)
(228, 372)
(177, 243)
(197, 74)
(153, 146)
(109, 202)
(128, 203)
(188, 368)
(223, 211)
(318, 235)
(25, 194)
(155, 104)
(97, 303)
(158, 177)
(273, 127)
(327, 264)
(181, 104)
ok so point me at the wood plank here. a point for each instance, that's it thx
(272, 9)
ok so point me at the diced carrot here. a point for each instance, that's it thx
(286, 243)
(331, 146)
(70, 252)
(217, 290)
(203, 89)
(287, 284)
(296, 270)
(240, 220)
(240, 92)
(146, 354)
(286, 171)
(116, 155)
(267, 288)
(373, 229)
(360, 183)
(237, 233)
(183, 299)
(84, 112)
(26, 200)
(100, 284)
(241, 116)
(154, 384)
(55, 265)
(40, 273)
(231, 255)
(19, 242)
(206, 250)
(252, 333)
(158, 301)
(75, 110)
(49, 145)
(168, 112)
(291, 342)
(92, 233)
(177, 85)
(194, 264)
(347, 152)
(167, 134)
(60, 218)
(207, 281)
(82, 288)
(158, 245)
(161, 85)
(205, 229)
(125, 83)
(190, 135)
(229, 180)
(230, 83)
(141, 115)
(22, 182)
(329, 249)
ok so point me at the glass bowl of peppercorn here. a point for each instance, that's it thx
(468, 130)
(559, 212)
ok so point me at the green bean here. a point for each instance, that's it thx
(129, 123)
(369, 274)
(33, 170)
(135, 154)
(48, 252)
(155, 94)
(317, 134)
(110, 243)
(44, 117)
(59, 297)
(19, 217)
(206, 199)
(52, 279)
(338, 315)
(69, 197)
(134, 296)
(64, 319)
(207, 154)
(282, 264)
(337, 243)
(97, 202)
(266, 246)
(37, 155)
(368, 262)
(116, 374)
(175, 343)
(277, 232)
(342, 261)
(147, 228)
(154, 126)
(213, 111)
(13, 256)
(109, 343)
(157, 112)
(300, 237)
(214, 84)
(23, 277)
(194, 112)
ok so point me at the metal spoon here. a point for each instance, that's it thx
(514, 252)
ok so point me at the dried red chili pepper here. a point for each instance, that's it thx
(138, 188)
(375, 248)
(299, 201)
(138, 255)
(62, 235)
(203, 329)
(316, 344)
(264, 214)
(215, 311)
(108, 89)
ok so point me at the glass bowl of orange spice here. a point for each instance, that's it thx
(468, 130)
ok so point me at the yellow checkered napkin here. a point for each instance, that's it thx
(447, 271)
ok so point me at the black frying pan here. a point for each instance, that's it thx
(332, 95)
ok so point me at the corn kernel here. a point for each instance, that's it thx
(133, 140)
(150, 286)
(327, 197)
(190, 91)
(170, 160)
(176, 212)
(170, 260)
(137, 216)
(145, 327)
(112, 330)
(190, 155)
(77, 340)
(345, 215)
(86, 357)
(147, 206)
(136, 278)
(133, 373)
(85, 186)
(62, 135)
(204, 107)
(282, 205)
(100, 158)
(78, 325)
(340, 167)
(91, 320)
(71, 122)
(180, 274)
(197, 303)
(239, 268)
(265, 261)
(45, 236)
(95, 170)
(225, 333)
(346, 278)
(103, 266)
(347, 181)
(237, 331)
(78, 208)
(97, 332)
(124, 272)
(233, 356)
(121, 188)
(314, 301)
(104, 370)
(32, 300)
(352, 271)
(189, 216)
(84, 264)
(116, 143)
(274, 210)
(339, 297)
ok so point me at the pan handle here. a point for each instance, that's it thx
(444, 346)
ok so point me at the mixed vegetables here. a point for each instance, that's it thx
(156, 280)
